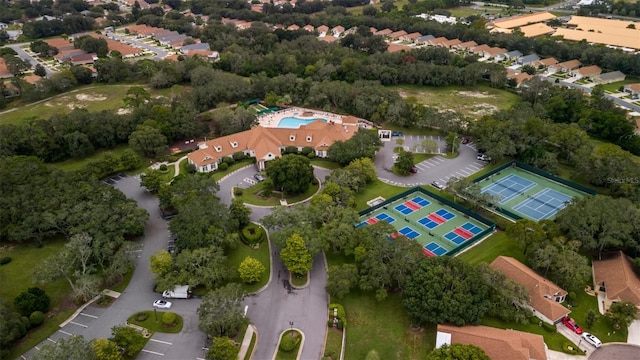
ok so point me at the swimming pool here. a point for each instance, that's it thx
(294, 122)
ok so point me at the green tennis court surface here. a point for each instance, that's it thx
(429, 220)
(528, 195)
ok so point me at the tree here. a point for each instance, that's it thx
(40, 70)
(444, 289)
(458, 352)
(42, 48)
(152, 180)
(341, 279)
(230, 121)
(296, 257)
(404, 163)
(136, 96)
(529, 69)
(161, 262)
(591, 318)
(16, 65)
(621, 314)
(527, 233)
(453, 142)
(223, 348)
(90, 44)
(30, 300)
(106, 349)
(250, 270)
(220, 312)
(239, 213)
(292, 174)
(204, 266)
(429, 146)
(129, 339)
(509, 300)
(364, 143)
(72, 348)
(148, 141)
(11, 328)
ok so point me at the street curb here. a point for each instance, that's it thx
(271, 262)
(80, 309)
(233, 172)
(233, 196)
(280, 338)
(300, 287)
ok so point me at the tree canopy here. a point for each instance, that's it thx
(220, 312)
(292, 174)
(458, 352)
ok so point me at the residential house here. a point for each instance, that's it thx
(198, 46)
(4, 70)
(423, 39)
(266, 144)
(528, 59)
(543, 64)
(588, 72)
(391, 47)
(615, 277)
(32, 79)
(83, 59)
(60, 44)
(545, 297)
(411, 37)
(520, 78)
(496, 343)
(293, 27)
(384, 32)
(397, 34)
(492, 52)
(464, 46)
(565, 66)
(65, 55)
(309, 28)
(633, 90)
(14, 34)
(322, 30)
(328, 38)
(449, 43)
(479, 50)
(511, 55)
(337, 31)
(610, 77)
(437, 41)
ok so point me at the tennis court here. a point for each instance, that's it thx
(422, 217)
(528, 195)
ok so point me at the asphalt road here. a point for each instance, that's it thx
(160, 52)
(616, 351)
(25, 56)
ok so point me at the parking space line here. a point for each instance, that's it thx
(458, 174)
(466, 173)
(75, 323)
(53, 341)
(91, 316)
(152, 352)
(161, 342)
(66, 333)
(37, 348)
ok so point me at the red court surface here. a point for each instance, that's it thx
(413, 206)
(372, 221)
(463, 233)
(437, 218)
(427, 252)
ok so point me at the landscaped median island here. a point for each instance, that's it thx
(337, 323)
(290, 345)
(157, 321)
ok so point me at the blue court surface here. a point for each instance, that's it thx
(471, 228)
(380, 217)
(455, 238)
(435, 249)
(544, 204)
(409, 233)
(421, 201)
(404, 209)
(445, 214)
(428, 223)
(509, 187)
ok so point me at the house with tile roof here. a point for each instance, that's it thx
(328, 38)
(424, 39)
(397, 34)
(392, 48)
(309, 28)
(586, 72)
(439, 41)
(615, 277)
(492, 52)
(527, 60)
(322, 30)
(293, 27)
(411, 37)
(632, 89)
(544, 63)
(383, 32)
(545, 297)
(337, 31)
(464, 46)
(266, 144)
(479, 50)
(565, 66)
(496, 343)
(449, 43)
(610, 77)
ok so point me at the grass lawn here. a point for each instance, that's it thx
(373, 190)
(250, 195)
(553, 340)
(183, 166)
(218, 174)
(235, 257)
(492, 247)
(247, 356)
(92, 98)
(153, 322)
(472, 101)
(467, 11)
(616, 85)
(77, 164)
(168, 175)
(331, 165)
(333, 346)
(119, 287)
(299, 280)
(601, 328)
(16, 277)
(291, 355)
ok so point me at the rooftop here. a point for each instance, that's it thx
(519, 21)
(621, 282)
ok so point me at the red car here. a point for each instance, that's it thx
(568, 322)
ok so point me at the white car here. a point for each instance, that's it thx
(162, 304)
(591, 339)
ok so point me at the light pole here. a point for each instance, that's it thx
(291, 324)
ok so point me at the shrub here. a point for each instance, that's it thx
(288, 343)
(314, 181)
(5, 260)
(548, 327)
(306, 150)
(569, 348)
(36, 318)
(290, 150)
(534, 320)
(223, 167)
(252, 234)
(163, 168)
(30, 300)
(237, 192)
(340, 325)
(311, 155)
(25, 321)
(342, 317)
(329, 323)
(239, 156)
(190, 168)
(169, 318)
(228, 160)
(251, 270)
(141, 316)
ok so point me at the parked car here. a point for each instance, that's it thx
(568, 322)
(465, 140)
(483, 157)
(591, 339)
(258, 177)
(437, 185)
(162, 304)
(414, 170)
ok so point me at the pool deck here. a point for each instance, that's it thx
(271, 120)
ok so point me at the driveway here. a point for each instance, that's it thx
(159, 51)
(634, 333)
(575, 338)
(437, 168)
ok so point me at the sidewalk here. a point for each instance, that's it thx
(246, 341)
(634, 333)
(557, 355)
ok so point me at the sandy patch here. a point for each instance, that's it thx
(74, 106)
(123, 111)
(90, 97)
(48, 104)
(483, 109)
(475, 94)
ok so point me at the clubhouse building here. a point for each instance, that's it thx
(267, 143)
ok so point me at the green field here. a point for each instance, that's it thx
(92, 98)
(77, 164)
(237, 255)
(616, 85)
(373, 190)
(471, 101)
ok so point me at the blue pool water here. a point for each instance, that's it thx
(294, 122)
